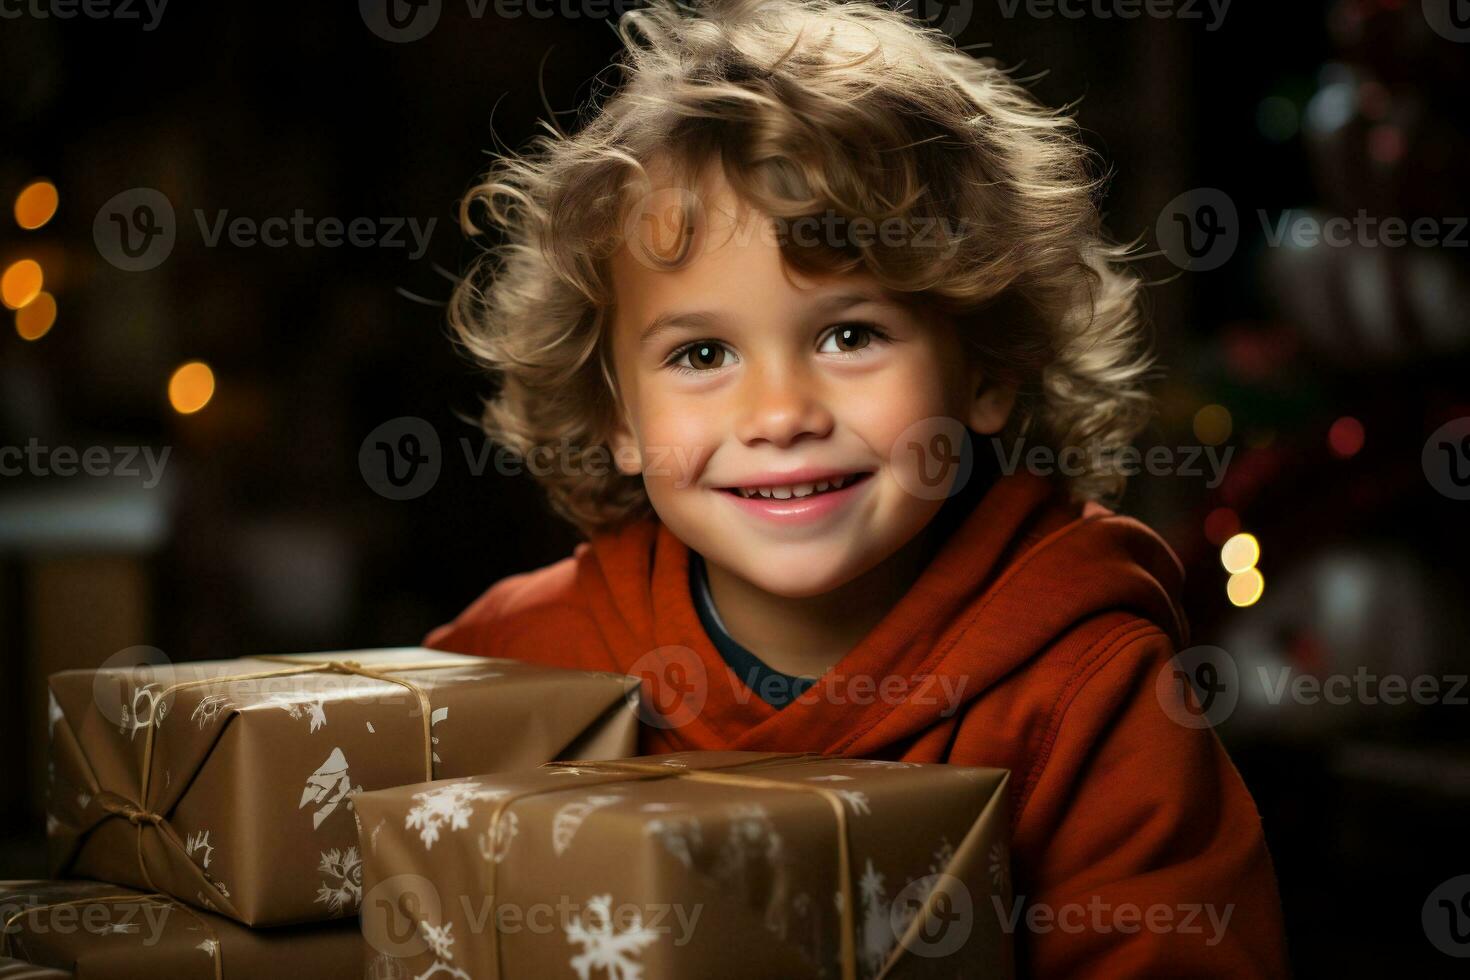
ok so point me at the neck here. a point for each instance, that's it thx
(806, 636)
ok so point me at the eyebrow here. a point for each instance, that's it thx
(706, 318)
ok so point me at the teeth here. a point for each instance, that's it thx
(795, 490)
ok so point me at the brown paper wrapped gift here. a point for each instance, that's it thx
(229, 784)
(11, 969)
(91, 930)
(699, 864)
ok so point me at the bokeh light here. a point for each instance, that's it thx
(35, 204)
(1213, 424)
(21, 283)
(1240, 553)
(34, 320)
(1345, 437)
(191, 387)
(1245, 588)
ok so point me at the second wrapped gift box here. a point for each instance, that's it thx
(701, 864)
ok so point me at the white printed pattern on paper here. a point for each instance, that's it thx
(207, 711)
(438, 715)
(568, 819)
(314, 711)
(196, 843)
(450, 805)
(329, 786)
(144, 710)
(342, 889)
(605, 949)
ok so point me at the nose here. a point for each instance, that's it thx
(780, 407)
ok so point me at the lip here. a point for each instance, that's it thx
(799, 510)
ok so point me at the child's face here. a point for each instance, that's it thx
(785, 381)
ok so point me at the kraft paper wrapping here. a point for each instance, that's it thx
(92, 930)
(699, 864)
(11, 969)
(229, 784)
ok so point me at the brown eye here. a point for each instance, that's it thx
(701, 356)
(847, 337)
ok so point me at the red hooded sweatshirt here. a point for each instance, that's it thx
(1032, 641)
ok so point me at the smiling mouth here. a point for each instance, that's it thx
(797, 491)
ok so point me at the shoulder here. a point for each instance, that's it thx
(529, 604)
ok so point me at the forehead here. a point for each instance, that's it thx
(735, 262)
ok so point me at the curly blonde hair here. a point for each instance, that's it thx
(809, 106)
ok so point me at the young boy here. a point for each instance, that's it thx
(771, 306)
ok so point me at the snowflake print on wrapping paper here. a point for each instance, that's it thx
(449, 806)
(857, 800)
(342, 891)
(603, 947)
(195, 843)
(123, 928)
(1000, 863)
(208, 947)
(438, 715)
(752, 861)
(877, 936)
(439, 939)
(53, 713)
(208, 710)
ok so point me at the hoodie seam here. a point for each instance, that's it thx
(1101, 653)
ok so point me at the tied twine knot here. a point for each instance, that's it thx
(123, 807)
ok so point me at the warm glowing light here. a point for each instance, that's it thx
(191, 387)
(33, 321)
(1245, 588)
(1240, 553)
(1213, 424)
(35, 204)
(1345, 437)
(21, 283)
(1221, 524)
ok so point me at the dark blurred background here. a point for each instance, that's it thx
(1325, 370)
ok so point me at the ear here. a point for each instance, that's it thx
(627, 457)
(990, 403)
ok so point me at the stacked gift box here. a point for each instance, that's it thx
(228, 819)
(223, 792)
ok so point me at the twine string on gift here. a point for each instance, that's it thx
(216, 954)
(139, 814)
(624, 769)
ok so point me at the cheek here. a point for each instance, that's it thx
(880, 408)
(676, 437)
